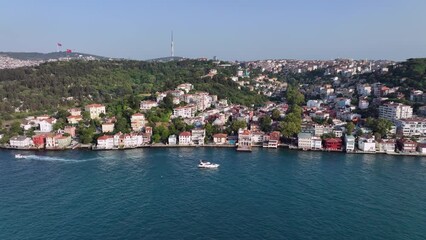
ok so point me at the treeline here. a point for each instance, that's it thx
(408, 75)
(64, 84)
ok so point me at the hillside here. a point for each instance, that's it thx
(410, 74)
(36, 56)
(73, 83)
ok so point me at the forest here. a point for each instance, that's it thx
(63, 84)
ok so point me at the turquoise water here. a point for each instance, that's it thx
(161, 194)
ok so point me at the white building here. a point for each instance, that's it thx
(257, 137)
(20, 142)
(412, 127)
(363, 103)
(367, 144)
(385, 145)
(304, 140)
(105, 142)
(147, 105)
(107, 127)
(47, 125)
(185, 87)
(184, 112)
(393, 111)
(198, 136)
(316, 143)
(95, 110)
(349, 143)
(172, 140)
(185, 138)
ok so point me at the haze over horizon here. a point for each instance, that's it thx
(230, 30)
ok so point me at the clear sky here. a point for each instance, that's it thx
(228, 29)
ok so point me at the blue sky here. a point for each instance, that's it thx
(229, 29)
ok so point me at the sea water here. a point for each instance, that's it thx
(161, 194)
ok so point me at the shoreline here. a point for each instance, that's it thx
(281, 146)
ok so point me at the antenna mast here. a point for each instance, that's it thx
(172, 47)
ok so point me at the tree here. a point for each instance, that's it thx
(156, 138)
(30, 132)
(62, 114)
(265, 123)
(209, 130)
(293, 96)
(382, 126)
(121, 125)
(350, 128)
(168, 102)
(276, 115)
(15, 128)
(236, 125)
(60, 124)
(289, 129)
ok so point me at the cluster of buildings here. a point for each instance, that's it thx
(8, 62)
(343, 67)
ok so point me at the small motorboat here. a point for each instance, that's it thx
(20, 156)
(203, 164)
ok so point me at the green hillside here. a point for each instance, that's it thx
(410, 74)
(74, 83)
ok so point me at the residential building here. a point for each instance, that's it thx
(316, 143)
(406, 145)
(198, 136)
(172, 140)
(304, 140)
(333, 144)
(39, 140)
(363, 103)
(147, 105)
(412, 127)
(105, 142)
(74, 119)
(385, 145)
(244, 140)
(185, 138)
(75, 111)
(393, 111)
(349, 143)
(272, 140)
(367, 144)
(185, 87)
(220, 138)
(95, 110)
(137, 122)
(257, 137)
(46, 125)
(70, 130)
(184, 111)
(63, 141)
(421, 147)
(20, 142)
(107, 127)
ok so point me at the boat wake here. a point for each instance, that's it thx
(55, 159)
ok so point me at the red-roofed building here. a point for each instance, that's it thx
(39, 140)
(95, 110)
(185, 138)
(220, 138)
(333, 144)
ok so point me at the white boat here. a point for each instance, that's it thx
(20, 156)
(203, 164)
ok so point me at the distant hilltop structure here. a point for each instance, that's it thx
(28, 59)
(172, 46)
